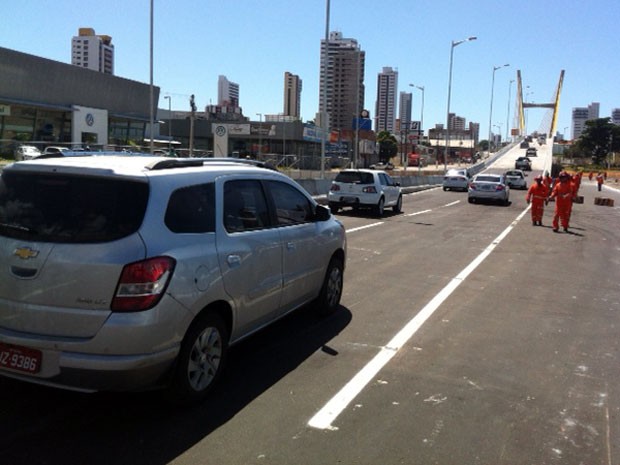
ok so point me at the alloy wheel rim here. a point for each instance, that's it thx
(205, 358)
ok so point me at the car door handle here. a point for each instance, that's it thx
(233, 261)
(290, 246)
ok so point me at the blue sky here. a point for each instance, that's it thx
(253, 42)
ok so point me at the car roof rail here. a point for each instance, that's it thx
(193, 162)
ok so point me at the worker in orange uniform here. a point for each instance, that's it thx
(577, 181)
(548, 181)
(599, 180)
(537, 194)
(563, 193)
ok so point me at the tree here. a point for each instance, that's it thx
(388, 146)
(598, 139)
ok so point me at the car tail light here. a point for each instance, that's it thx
(369, 190)
(335, 188)
(472, 186)
(142, 284)
(499, 188)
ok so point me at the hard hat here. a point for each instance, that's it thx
(538, 178)
(564, 174)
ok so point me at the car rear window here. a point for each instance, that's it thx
(355, 177)
(487, 178)
(69, 209)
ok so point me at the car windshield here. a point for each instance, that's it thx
(69, 209)
(355, 177)
(514, 173)
(456, 173)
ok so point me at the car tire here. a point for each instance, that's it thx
(445, 189)
(470, 200)
(201, 359)
(331, 291)
(334, 208)
(399, 205)
(380, 207)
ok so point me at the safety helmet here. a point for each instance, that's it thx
(564, 174)
(538, 178)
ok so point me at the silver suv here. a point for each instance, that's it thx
(126, 273)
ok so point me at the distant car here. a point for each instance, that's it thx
(531, 152)
(456, 180)
(382, 165)
(365, 189)
(524, 144)
(516, 179)
(26, 152)
(54, 150)
(523, 163)
(491, 187)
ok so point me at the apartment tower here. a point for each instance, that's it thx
(292, 95)
(341, 81)
(385, 112)
(92, 51)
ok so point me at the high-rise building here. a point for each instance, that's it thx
(385, 111)
(341, 81)
(227, 93)
(581, 115)
(292, 95)
(615, 116)
(404, 110)
(92, 51)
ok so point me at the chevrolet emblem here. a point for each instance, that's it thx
(25, 253)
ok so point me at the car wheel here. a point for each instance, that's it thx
(470, 199)
(399, 205)
(331, 291)
(379, 208)
(445, 188)
(201, 359)
(334, 208)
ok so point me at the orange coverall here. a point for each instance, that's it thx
(563, 193)
(537, 194)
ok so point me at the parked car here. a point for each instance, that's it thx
(531, 152)
(382, 165)
(491, 187)
(456, 179)
(26, 152)
(516, 179)
(365, 189)
(127, 273)
(54, 150)
(523, 163)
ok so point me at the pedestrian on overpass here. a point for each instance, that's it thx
(537, 194)
(563, 193)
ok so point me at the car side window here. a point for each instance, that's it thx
(192, 209)
(383, 179)
(292, 207)
(245, 206)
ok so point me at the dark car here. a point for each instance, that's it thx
(531, 152)
(523, 163)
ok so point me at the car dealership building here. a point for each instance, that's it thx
(47, 102)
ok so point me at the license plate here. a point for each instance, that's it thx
(20, 358)
(349, 199)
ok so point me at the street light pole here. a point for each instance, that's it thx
(495, 68)
(324, 124)
(508, 111)
(445, 155)
(169, 98)
(151, 90)
(260, 135)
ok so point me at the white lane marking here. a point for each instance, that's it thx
(364, 227)
(418, 213)
(324, 418)
(452, 203)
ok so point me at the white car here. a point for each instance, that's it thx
(492, 187)
(26, 152)
(516, 179)
(456, 179)
(365, 189)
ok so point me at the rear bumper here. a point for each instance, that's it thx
(90, 373)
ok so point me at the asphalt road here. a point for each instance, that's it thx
(465, 336)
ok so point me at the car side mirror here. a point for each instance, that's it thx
(322, 213)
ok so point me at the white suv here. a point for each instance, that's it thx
(362, 188)
(124, 273)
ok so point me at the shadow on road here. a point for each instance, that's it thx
(40, 425)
